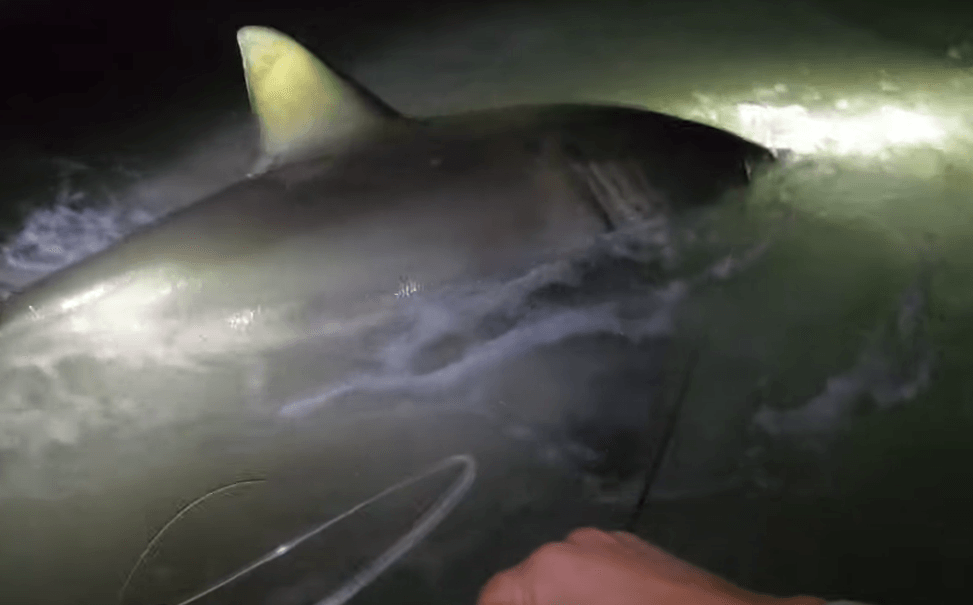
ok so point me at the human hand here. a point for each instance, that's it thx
(594, 567)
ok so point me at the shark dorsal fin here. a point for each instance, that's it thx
(302, 105)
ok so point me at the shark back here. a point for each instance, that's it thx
(353, 196)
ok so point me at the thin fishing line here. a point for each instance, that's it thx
(179, 515)
(660, 453)
(429, 521)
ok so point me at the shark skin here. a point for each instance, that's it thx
(290, 273)
(352, 199)
(353, 213)
(352, 208)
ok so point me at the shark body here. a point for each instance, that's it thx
(352, 209)
(353, 200)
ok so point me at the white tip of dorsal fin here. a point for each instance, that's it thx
(302, 105)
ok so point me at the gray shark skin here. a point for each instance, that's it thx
(353, 213)
(356, 207)
(432, 201)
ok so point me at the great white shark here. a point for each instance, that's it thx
(352, 200)
(353, 207)
(353, 211)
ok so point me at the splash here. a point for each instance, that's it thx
(894, 367)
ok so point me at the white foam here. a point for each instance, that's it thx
(98, 201)
(893, 368)
(53, 238)
(643, 315)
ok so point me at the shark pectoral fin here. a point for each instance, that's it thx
(302, 105)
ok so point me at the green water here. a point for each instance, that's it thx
(883, 515)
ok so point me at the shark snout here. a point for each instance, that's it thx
(757, 160)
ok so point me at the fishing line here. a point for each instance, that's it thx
(179, 515)
(423, 527)
(660, 453)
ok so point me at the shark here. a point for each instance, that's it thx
(351, 202)
(352, 209)
(353, 212)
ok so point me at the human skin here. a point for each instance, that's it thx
(595, 567)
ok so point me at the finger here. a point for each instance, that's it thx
(505, 588)
(638, 544)
(563, 572)
(591, 537)
(630, 539)
(666, 563)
